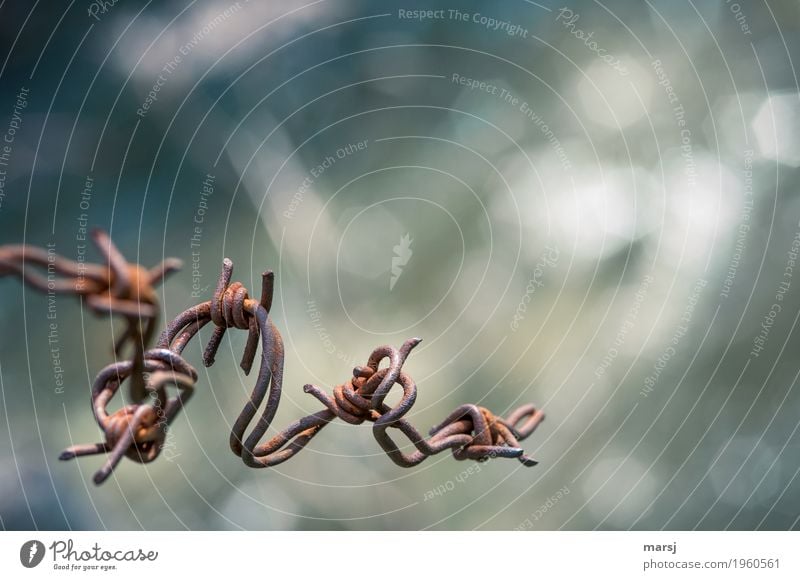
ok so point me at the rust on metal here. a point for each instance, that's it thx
(117, 287)
(138, 430)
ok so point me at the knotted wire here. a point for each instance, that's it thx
(118, 287)
(138, 430)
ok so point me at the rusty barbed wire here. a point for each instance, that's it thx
(118, 287)
(138, 430)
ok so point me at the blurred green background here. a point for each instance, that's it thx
(598, 202)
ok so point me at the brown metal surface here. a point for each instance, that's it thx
(138, 430)
(117, 287)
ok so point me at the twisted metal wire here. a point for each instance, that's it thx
(118, 287)
(138, 430)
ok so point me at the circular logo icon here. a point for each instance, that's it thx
(31, 553)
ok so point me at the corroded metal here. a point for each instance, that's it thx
(118, 287)
(138, 430)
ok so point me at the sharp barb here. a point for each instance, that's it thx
(161, 381)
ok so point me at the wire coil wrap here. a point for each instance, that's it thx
(138, 429)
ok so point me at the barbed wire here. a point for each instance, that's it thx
(138, 430)
(118, 287)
